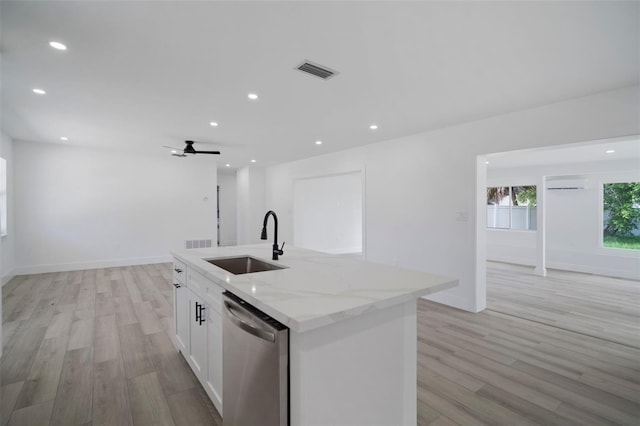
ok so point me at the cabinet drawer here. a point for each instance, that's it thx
(179, 271)
(197, 283)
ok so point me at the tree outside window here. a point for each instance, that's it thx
(621, 213)
(512, 207)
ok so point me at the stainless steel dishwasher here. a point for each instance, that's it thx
(255, 366)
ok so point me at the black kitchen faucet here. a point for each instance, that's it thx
(276, 251)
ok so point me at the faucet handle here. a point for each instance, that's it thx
(280, 250)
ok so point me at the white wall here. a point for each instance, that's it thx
(251, 204)
(418, 186)
(7, 256)
(335, 201)
(79, 208)
(7, 260)
(573, 221)
(228, 208)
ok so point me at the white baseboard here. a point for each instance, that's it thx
(447, 298)
(78, 266)
(572, 267)
(8, 276)
(228, 243)
(512, 259)
(595, 270)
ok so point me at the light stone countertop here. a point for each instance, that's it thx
(317, 288)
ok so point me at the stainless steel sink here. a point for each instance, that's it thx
(243, 265)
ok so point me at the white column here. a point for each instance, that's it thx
(541, 242)
(250, 183)
(481, 234)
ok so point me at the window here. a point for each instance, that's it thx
(511, 207)
(621, 214)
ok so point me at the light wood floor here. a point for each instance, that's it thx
(93, 347)
(512, 365)
(603, 307)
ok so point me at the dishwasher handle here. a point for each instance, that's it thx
(249, 328)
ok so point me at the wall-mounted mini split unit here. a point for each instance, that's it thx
(568, 183)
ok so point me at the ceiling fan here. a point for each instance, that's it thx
(188, 149)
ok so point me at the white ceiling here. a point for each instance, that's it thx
(138, 75)
(615, 149)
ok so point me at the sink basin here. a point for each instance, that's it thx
(243, 265)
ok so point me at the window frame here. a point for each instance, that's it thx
(510, 228)
(601, 247)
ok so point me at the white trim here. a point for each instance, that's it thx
(480, 287)
(611, 251)
(455, 301)
(595, 270)
(530, 231)
(78, 266)
(8, 276)
(541, 227)
(515, 260)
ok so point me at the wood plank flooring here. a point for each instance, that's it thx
(603, 307)
(539, 354)
(94, 347)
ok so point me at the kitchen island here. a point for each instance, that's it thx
(352, 340)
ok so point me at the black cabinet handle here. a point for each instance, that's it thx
(198, 312)
(176, 285)
(202, 308)
(178, 270)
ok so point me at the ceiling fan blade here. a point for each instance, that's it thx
(189, 149)
(206, 142)
(172, 147)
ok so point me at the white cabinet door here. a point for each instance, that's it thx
(214, 359)
(198, 326)
(197, 336)
(181, 316)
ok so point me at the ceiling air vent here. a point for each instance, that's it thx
(316, 70)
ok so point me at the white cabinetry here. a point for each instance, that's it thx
(180, 306)
(197, 336)
(198, 325)
(214, 369)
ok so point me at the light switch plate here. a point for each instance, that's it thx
(462, 217)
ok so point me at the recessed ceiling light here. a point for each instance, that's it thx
(373, 126)
(39, 91)
(64, 138)
(610, 151)
(318, 142)
(486, 162)
(252, 96)
(227, 165)
(213, 124)
(253, 161)
(57, 45)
